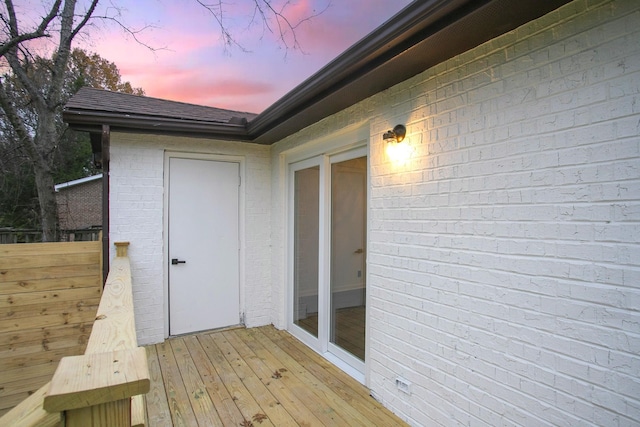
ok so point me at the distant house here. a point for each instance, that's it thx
(483, 269)
(80, 204)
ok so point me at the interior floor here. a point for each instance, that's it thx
(350, 324)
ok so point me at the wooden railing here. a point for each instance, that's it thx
(106, 385)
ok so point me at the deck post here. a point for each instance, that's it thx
(102, 388)
(122, 249)
(96, 389)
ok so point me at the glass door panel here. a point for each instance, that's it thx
(327, 276)
(306, 248)
(348, 252)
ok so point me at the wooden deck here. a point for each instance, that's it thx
(251, 378)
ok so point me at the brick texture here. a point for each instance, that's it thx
(504, 255)
(80, 206)
(137, 206)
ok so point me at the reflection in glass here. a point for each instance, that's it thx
(306, 231)
(348, 253)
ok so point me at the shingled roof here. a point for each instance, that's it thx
(142, 112)
(91, 99)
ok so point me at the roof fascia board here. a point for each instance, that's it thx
(88, 121)
(75, 182)
(420, 36)
(423, 38)
(357, 60)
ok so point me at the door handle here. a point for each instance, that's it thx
(358, 251)
(176, 261)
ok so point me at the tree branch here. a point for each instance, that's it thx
(285, 25)
(131, 32)
(15, 38)
(16, 122)
(266, 11)
(217, 11)
(62, 53)
(88, 14)
(20, 71)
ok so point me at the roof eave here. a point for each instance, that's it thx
(419, 37)
(92, 121)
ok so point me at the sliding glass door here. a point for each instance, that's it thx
(328, 197)
(348, 248)
(306, 252)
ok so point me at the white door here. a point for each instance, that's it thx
(203, 209)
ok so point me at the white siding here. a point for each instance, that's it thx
(136, 200)
(504, 257)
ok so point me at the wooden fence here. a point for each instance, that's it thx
(19, 236)
(11, 235)
(105, 387)
(49, 294)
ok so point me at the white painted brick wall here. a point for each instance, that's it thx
(136, 199)
(504, 257)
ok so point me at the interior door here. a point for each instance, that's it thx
(203, 212)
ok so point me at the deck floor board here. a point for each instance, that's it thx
(203, 408)
(256, 377)
(218, 393)
(177, 397)
(157, 402)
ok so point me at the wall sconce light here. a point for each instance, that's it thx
(398, 153)
(396, 135)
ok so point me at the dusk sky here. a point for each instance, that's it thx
(193, 66)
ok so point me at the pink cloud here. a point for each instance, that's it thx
(341, 26)
(200, 86)
(179, 88)
(193, 64)
(196, 68)
(239, 88)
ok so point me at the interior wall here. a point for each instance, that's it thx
(348, 232)
(306, 241)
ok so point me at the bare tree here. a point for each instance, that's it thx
(70, 157)
(36, 132)
(271, 15)
(39, 138)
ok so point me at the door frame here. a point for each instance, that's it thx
(321, 152)
(240, 160)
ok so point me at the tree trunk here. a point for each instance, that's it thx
(45, 140)
(47, 199)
